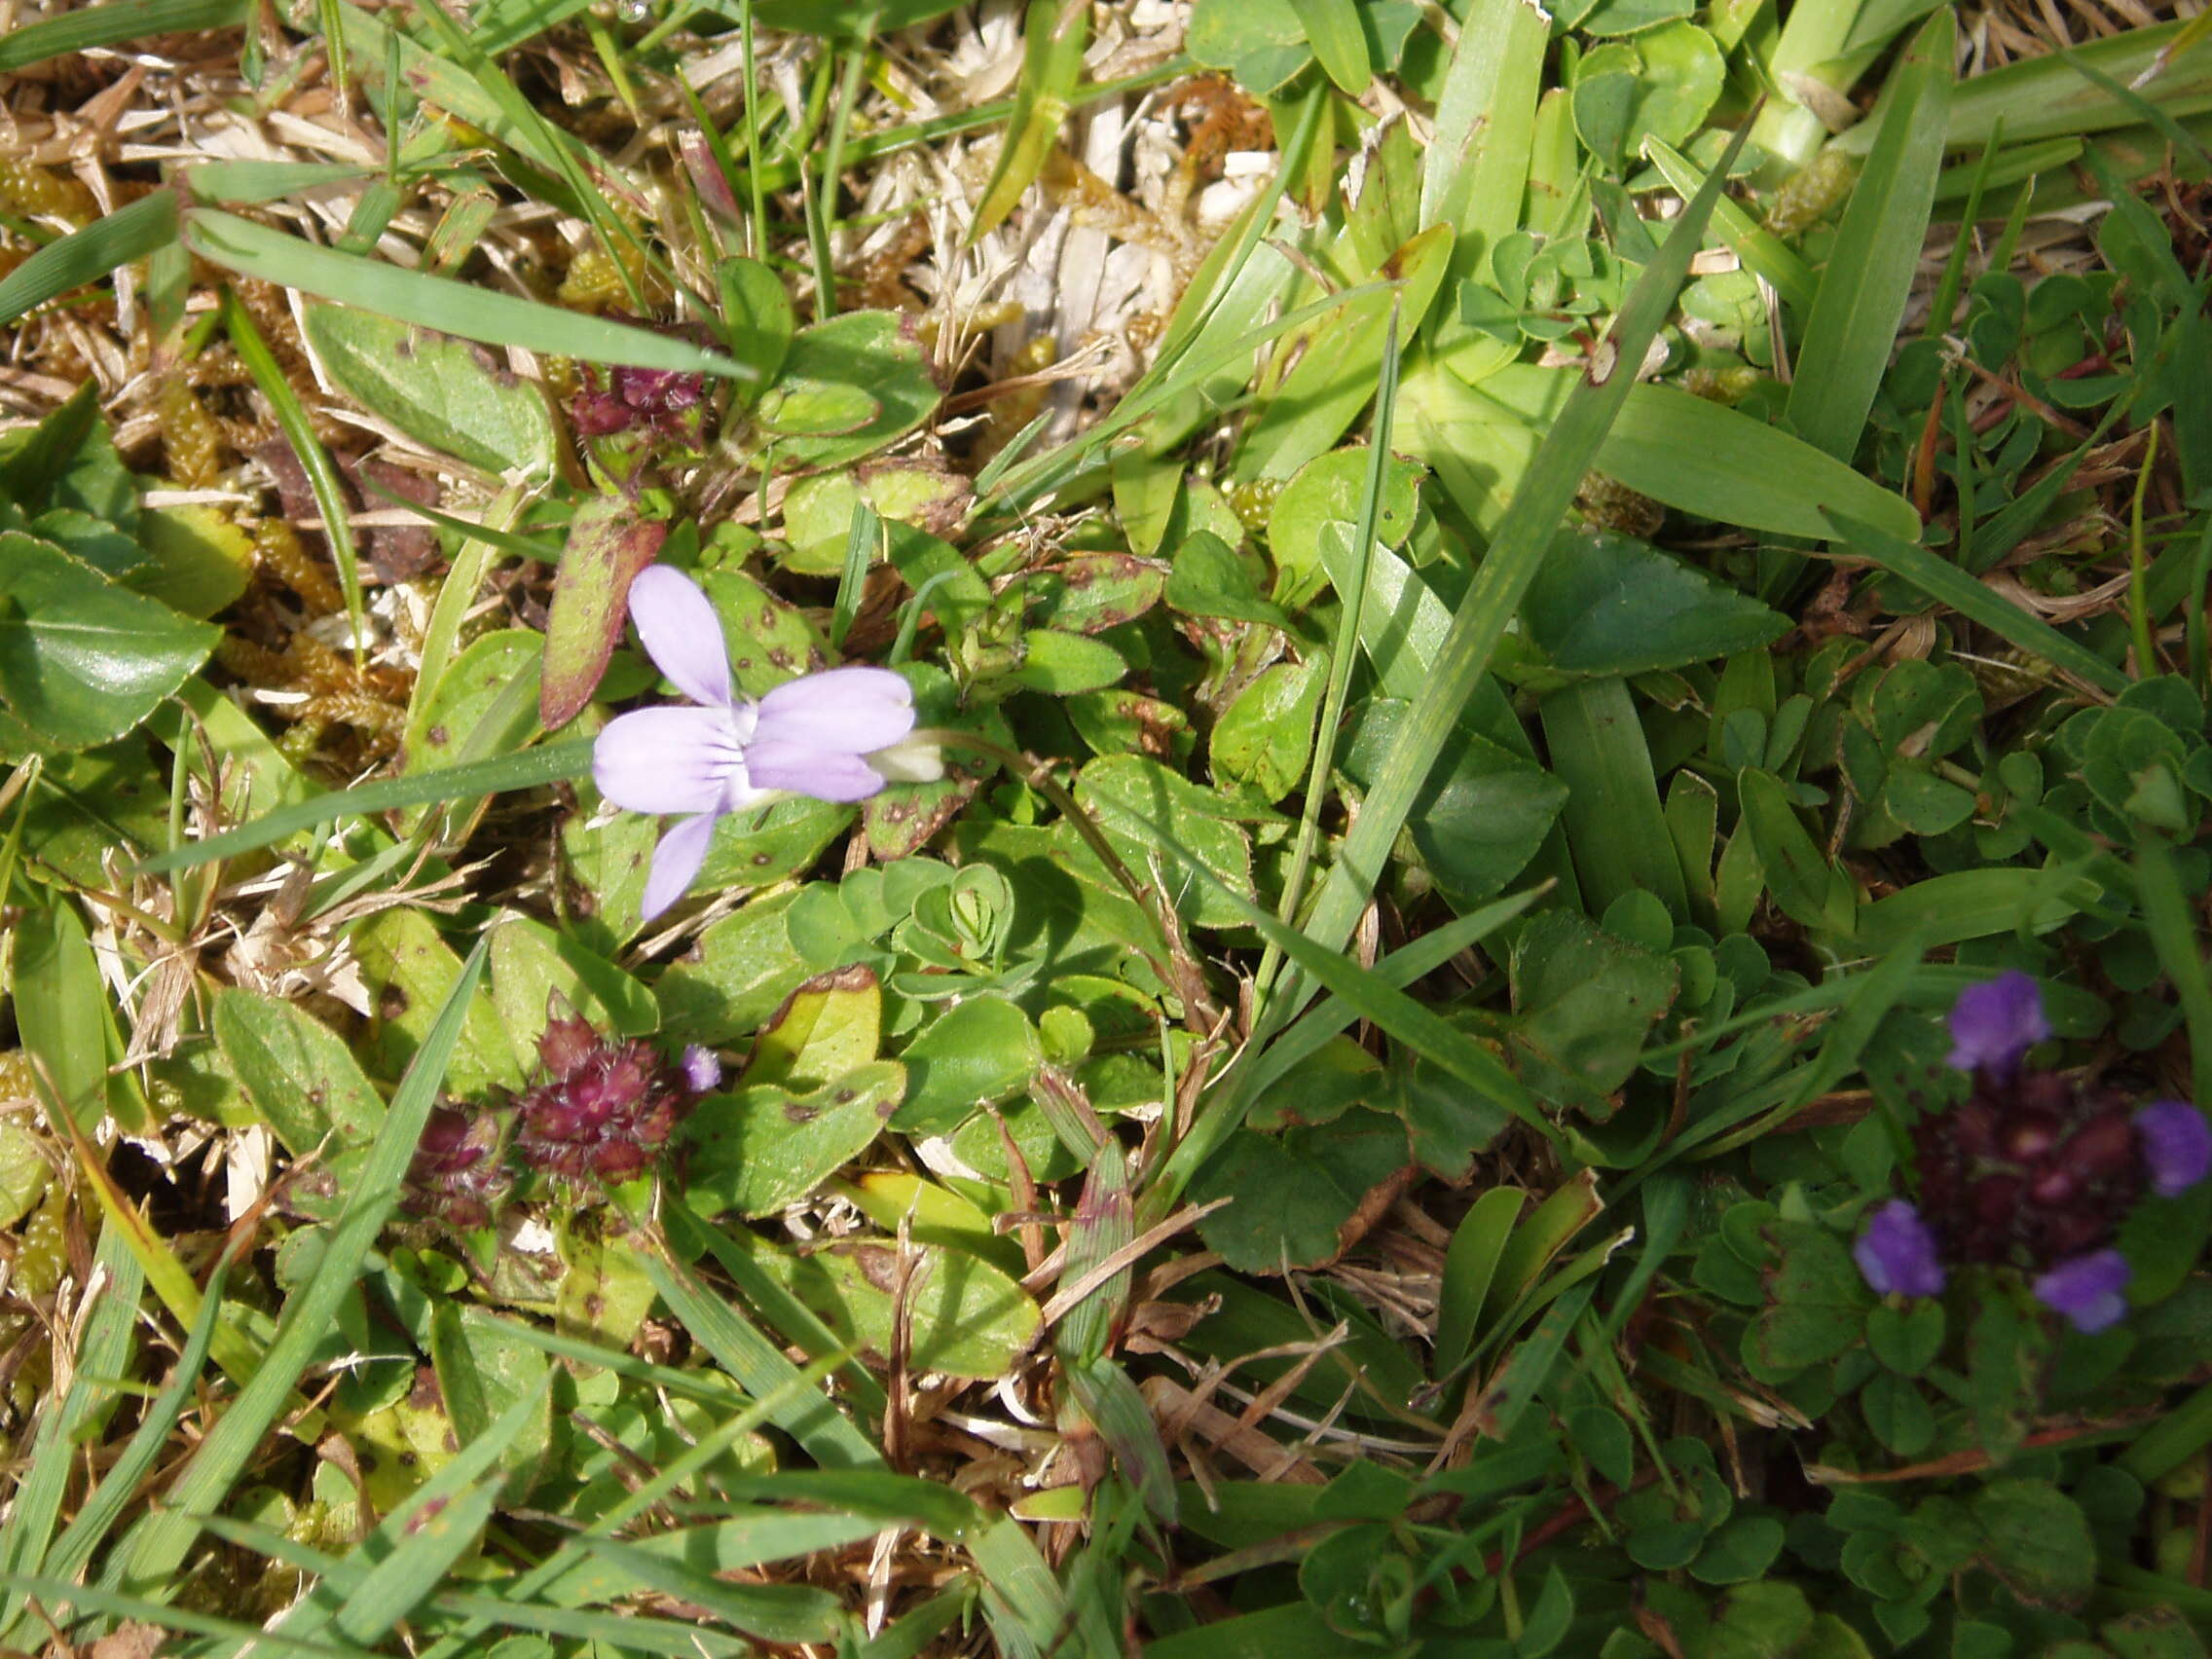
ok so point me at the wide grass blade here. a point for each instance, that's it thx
(552, 764)
(415, 1546)
(87, 255)
(1763, 253)
(1373, 999)
(1477, 165)
(440, 302)
(2047, 97)
(1864, 285)
(1613, 816)
(1493, 598)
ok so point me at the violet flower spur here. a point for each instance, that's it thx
(1896, 1253)
(2089, 1290)
(2177, 1146)
(835, 736)
(1996, 1023)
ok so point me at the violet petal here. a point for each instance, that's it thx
(802, 768)
(1898, 1253)
(676, 863)
(2177, 1146)
(846, 711)
(1995, 1022)
(2089, 1290)
(681, 632)
(666, 759)
(702, 1069)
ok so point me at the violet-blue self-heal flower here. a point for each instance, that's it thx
(1898, 1253)
(2089, 1290)
(2176, 1144)
(1994, 1024)
(835, 736)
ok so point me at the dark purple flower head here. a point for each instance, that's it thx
(2177, 1146)
(660, 399)
(1898, 1253)
(604, 1110)
(2089, 1290)
(837, 736)
(1994, 1024)
(456, 1175)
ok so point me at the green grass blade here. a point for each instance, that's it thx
(1763, 253)
(514, 1604)
(1548, 487)
(440, 302)
(1864, 285)
(552, 764)
(1374, 1000)
(87, 255)
(151, 1555)
(116, 25)
(103, 1350)
(1613, 821)
(89, 1528)
(416, 1545)
(2047, 96)
(1477, 167)
(1947, 584)
(247, 183)
(1344, 649)
(315, 461)
(1027, 1608)
(757, 1364)
(1403, 967)
(57, 1594)
(1053, 38)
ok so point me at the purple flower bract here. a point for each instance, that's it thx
(1898, 1253)
(1994, 1024)
(2089, 1290)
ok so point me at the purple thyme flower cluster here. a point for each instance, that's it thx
(2032, 1171)
(603, 1108)
(837, 736)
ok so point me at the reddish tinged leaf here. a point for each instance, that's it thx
(609, 544)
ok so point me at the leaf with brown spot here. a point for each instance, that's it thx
(607, 545)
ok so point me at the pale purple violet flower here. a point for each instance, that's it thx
(1898, 1253)
(2177, 1146)
(835, 736)
(1994, 1024)
(702, 1069)
(2089, 1290)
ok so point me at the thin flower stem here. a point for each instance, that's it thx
(2138, 568)
(1032, 772)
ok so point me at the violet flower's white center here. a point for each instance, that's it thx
(739, 718)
